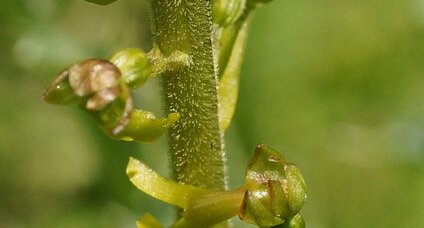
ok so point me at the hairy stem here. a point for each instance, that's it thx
(196, 146)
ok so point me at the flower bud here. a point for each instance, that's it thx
(275, 190)
(134, 66)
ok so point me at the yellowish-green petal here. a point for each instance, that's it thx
(143, 126)
(164, 189)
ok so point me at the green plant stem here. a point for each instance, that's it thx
(196, 148)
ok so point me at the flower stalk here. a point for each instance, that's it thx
(196, 147)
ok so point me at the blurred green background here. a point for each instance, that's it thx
(336, 86)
